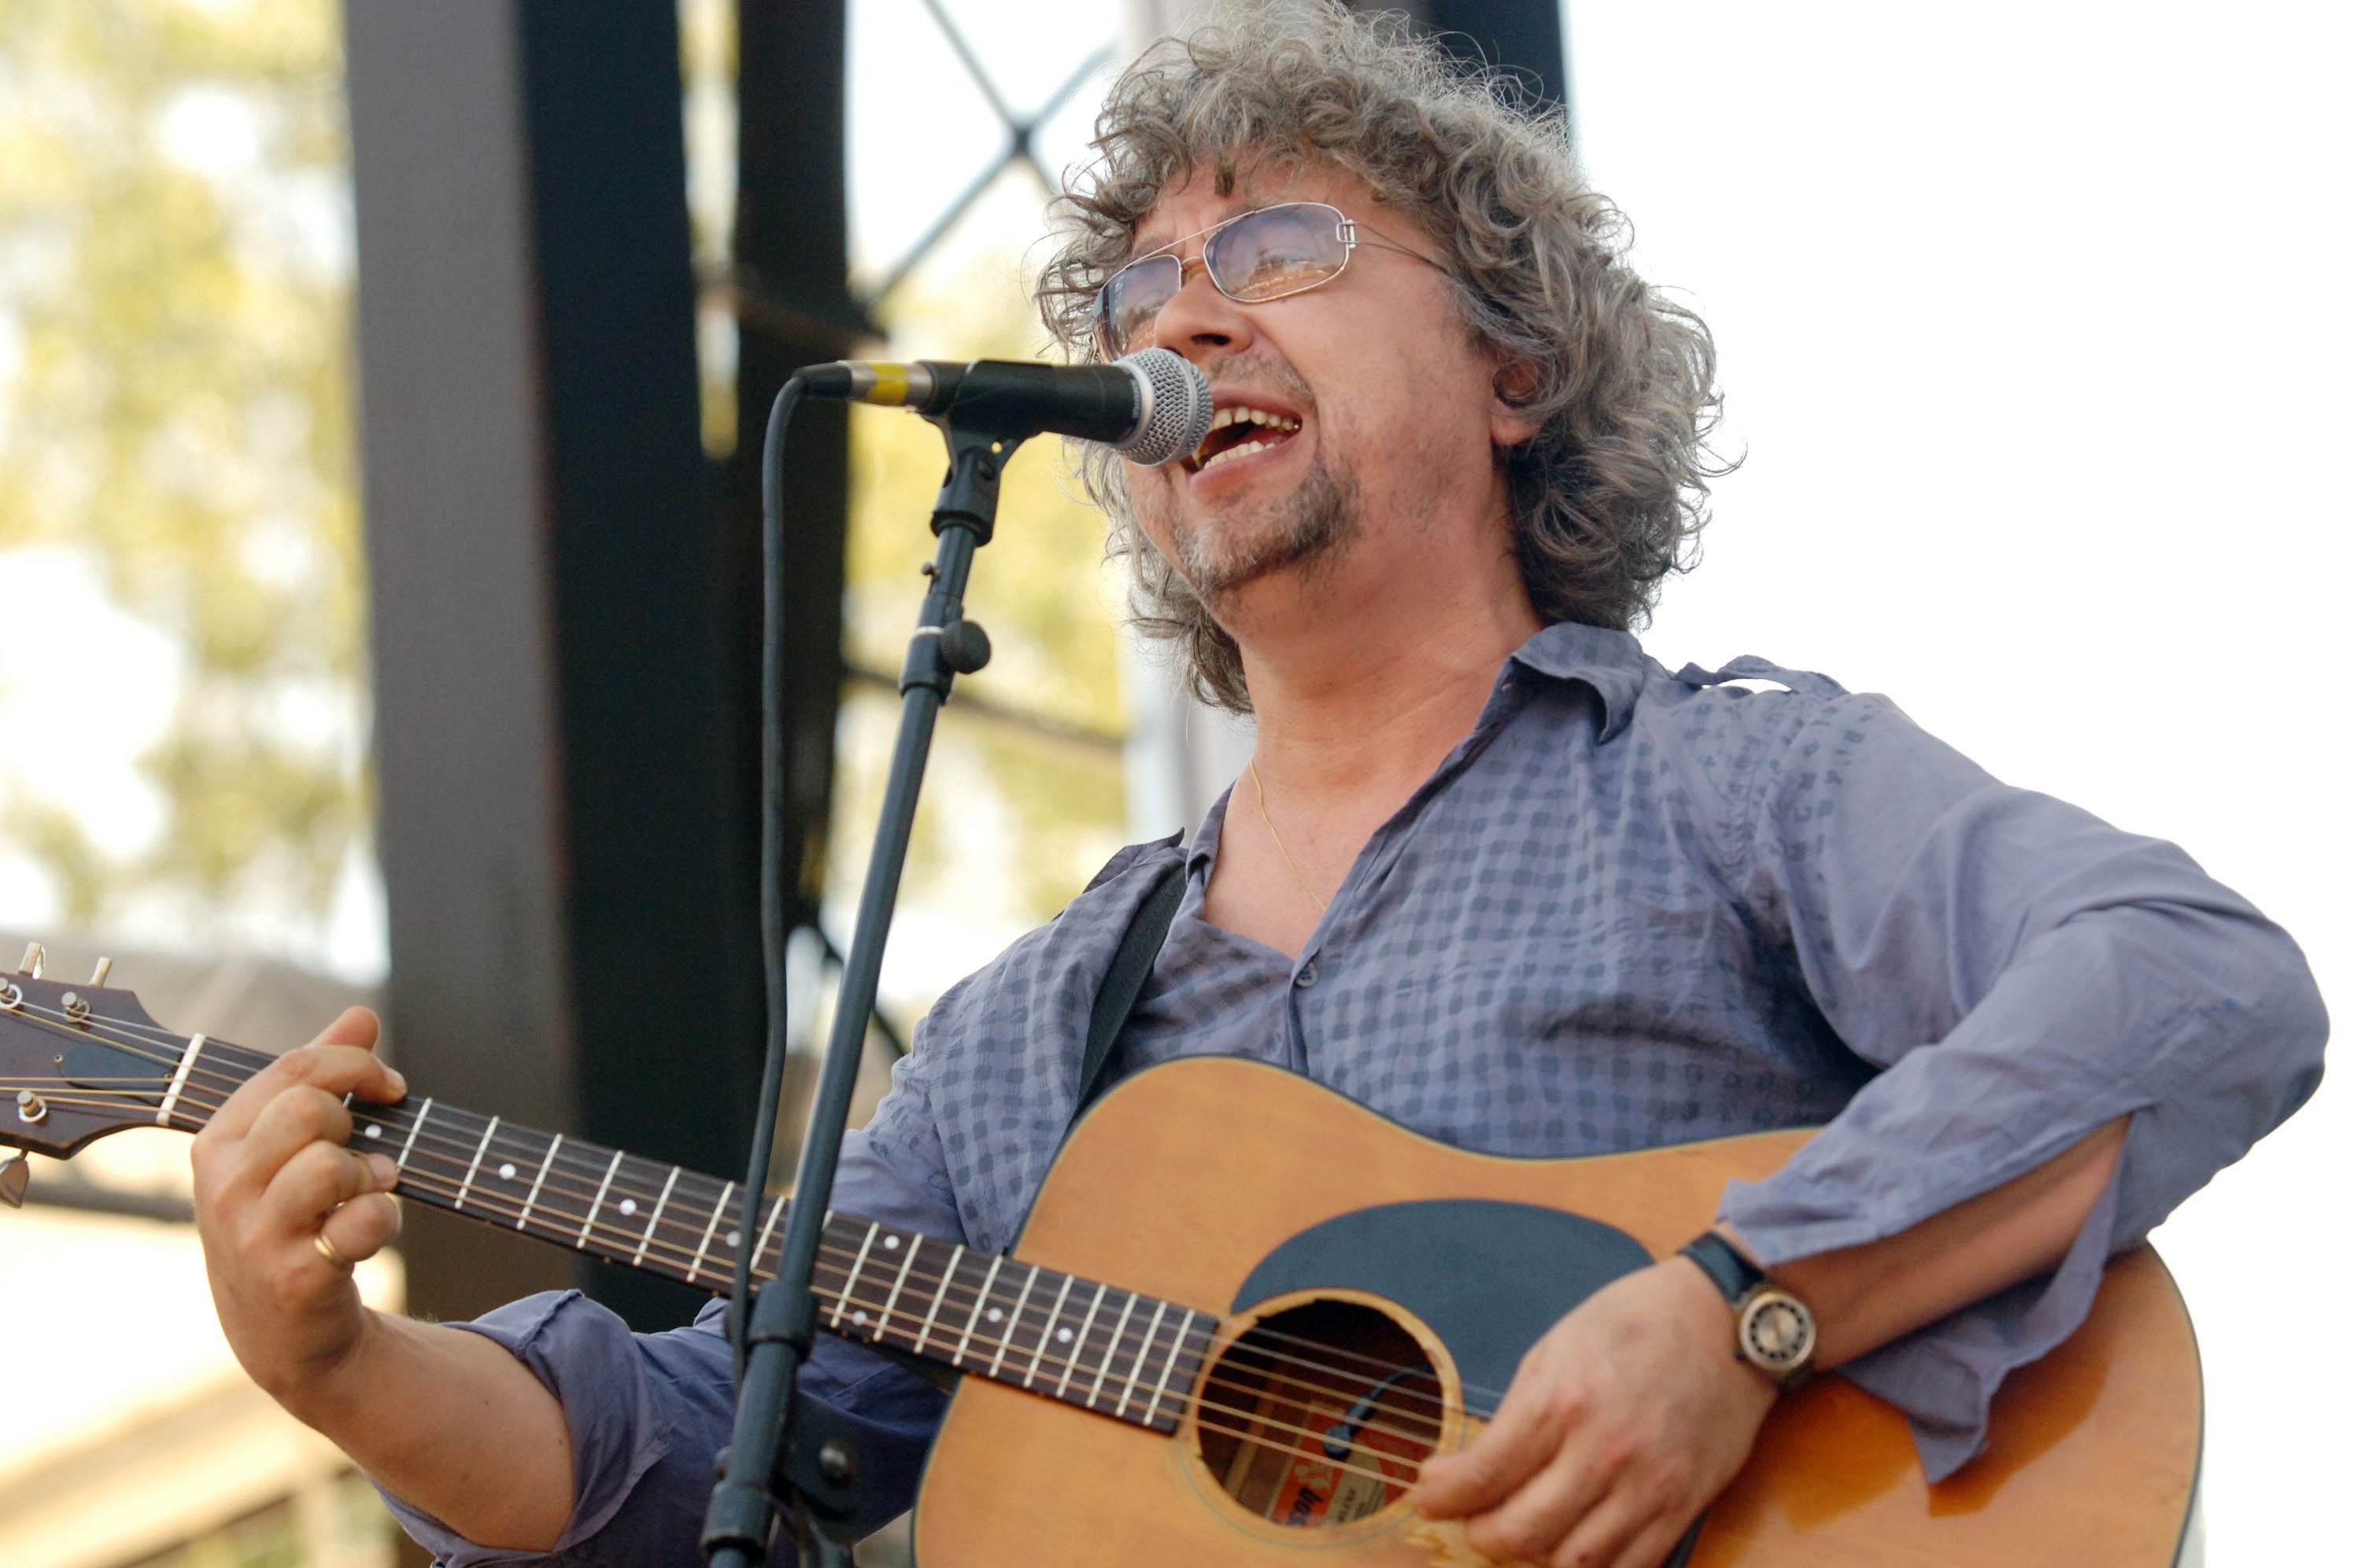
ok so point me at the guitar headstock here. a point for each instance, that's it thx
(77, 1061)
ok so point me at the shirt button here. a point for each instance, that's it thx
(1309, 974)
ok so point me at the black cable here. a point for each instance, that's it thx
(774, 876)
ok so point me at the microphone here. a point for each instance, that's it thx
(1152, 405)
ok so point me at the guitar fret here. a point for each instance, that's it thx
(592, 1217)
(1156, 1401)
(942, 1288)
(1139, 1363)
(1015, 1317)
(1082, 1342)
(401, 1160)
(460, 1206)
(885, 1313)
(853, 1276)
(1114, 1341)
(778, 1206)
(662, 1197)
(712, 1220)
(866, 1296)
(1056, 1308)
(983, 1295)
(526, 1212)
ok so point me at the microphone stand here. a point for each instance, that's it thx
(785, 1451)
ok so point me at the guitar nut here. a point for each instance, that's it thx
(30, 1108)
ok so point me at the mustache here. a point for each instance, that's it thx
(1259, 371)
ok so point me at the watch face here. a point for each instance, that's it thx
(1775, 1332)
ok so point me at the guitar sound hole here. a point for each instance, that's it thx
(1320, 1415)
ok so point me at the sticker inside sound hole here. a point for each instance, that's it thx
(1320, 1416)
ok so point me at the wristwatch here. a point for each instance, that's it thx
(1776, 1331)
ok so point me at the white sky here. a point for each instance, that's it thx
(2037, 325)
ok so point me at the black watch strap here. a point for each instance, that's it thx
(1732, 1273)
(1774, 1329)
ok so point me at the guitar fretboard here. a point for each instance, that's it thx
(1105, 1349)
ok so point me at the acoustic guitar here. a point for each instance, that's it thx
(1242, 1313)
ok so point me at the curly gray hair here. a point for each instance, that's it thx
(1607, 496)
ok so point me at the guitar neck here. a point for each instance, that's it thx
(1093, 1345)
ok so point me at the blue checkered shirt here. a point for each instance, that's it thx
(1630, 908)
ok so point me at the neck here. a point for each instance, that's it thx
(1364, 682)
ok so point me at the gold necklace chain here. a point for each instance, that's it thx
(1263, 805)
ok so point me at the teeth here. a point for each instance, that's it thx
(1240, 450)
(1238, 414)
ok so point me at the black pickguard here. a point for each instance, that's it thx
(1488, 1277)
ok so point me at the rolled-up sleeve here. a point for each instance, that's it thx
(2024, 974)
(646, 1413)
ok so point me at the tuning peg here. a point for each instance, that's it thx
(98, 975)
(32, 964)
(15, 1175)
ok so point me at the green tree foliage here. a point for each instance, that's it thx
(175, 284)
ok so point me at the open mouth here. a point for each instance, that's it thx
(1238, 432)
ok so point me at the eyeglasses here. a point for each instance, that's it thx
(1267, 254)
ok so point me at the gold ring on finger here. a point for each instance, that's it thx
(328, 1249)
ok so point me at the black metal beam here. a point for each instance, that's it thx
(566, 823)
(471, 819)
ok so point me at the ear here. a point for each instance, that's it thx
(1513, 386)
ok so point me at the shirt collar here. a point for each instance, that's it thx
(1206, 842)
(1609, 662)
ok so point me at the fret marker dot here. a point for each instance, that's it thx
(731, 1238)
(508, 1173)
(861, 1318)
(371, 1131)
(991, 1314)
(893, 1242)
(1065, 1336)
(628, 1207)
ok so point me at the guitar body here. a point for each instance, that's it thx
(1242, 1190)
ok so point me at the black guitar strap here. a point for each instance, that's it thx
(1128, 977)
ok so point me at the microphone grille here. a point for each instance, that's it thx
(1177, 404)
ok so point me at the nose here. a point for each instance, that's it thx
(1201, 322)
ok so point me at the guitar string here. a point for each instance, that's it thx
(588, 1175)
(1080, 1360)
(1327, 1359)
(455, 1145)
(698, 1258)
(1078, 1364)
(1259, 1337)
(1340, 1466)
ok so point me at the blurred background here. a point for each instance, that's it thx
(379, 389)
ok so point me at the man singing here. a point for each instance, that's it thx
(1491, 871)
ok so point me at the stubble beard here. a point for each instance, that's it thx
(1244, 544)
